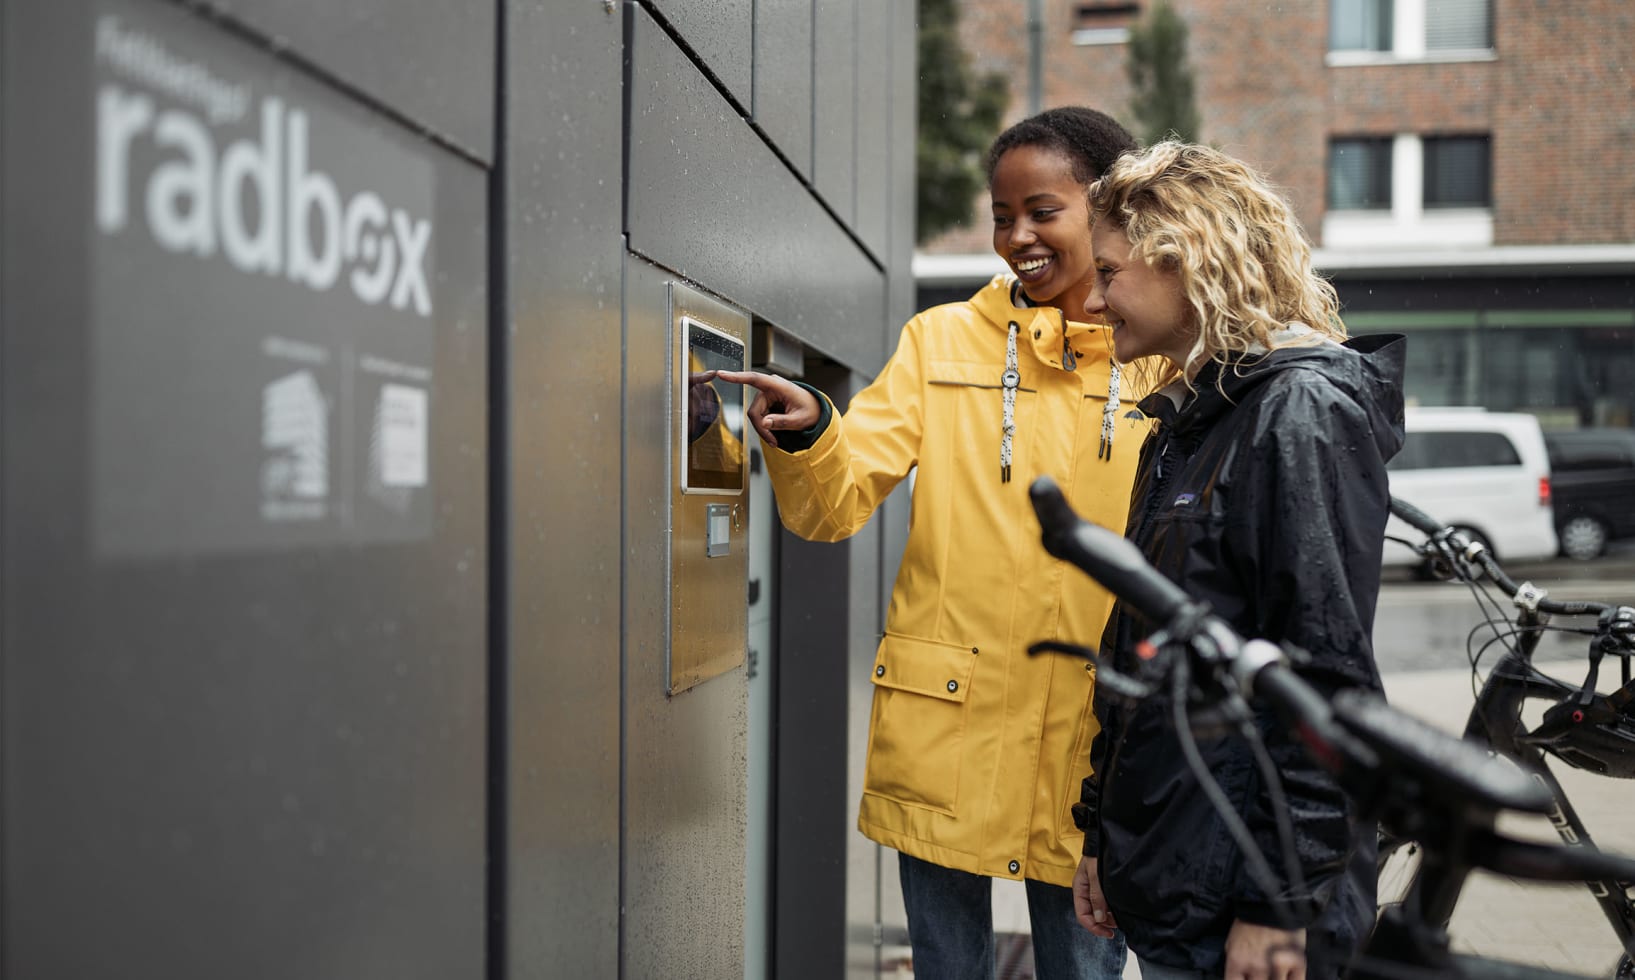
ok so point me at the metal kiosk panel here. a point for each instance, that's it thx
(244, 513)
(708, 548)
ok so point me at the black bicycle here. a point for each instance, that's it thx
(1580, 727)
(1421, 783)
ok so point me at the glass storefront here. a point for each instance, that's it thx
(1568, 375)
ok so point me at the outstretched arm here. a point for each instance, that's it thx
(779, 403)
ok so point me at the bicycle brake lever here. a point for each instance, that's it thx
(1058, 646)
(1123, 685)
(1618, 630)
(1296, 656)
(1115, 682)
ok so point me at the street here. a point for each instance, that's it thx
(1424, 625)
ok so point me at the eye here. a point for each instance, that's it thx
(1045, 214)
(1001, 221)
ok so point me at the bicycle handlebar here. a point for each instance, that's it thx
(1416, 518)
(1348, 736)
(1445, 542)
(1417, 773)
(1104, 556)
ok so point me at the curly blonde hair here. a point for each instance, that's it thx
(1244, 261)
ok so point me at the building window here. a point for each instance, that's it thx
(1409, 190)
(1360, 25)
(1458, 25)
(1371, 31)
(1359, 174)
(1100, 22)
(1457, 172)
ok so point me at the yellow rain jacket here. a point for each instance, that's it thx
(977, 750)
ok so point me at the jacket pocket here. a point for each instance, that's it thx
(917, 730)
(964, 419)
(1078, 765)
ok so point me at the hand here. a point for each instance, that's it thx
(780, 404)
(1264, 953)
(1088, 902)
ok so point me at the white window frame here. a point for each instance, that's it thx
(1408, 223)
(1407, 43)
(1088, 37)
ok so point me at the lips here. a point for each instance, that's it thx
(1033, 268)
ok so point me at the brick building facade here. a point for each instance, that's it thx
(1466, 168)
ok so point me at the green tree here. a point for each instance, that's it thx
(959, 115)
(1160, 77)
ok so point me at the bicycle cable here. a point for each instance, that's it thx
(1260, 870)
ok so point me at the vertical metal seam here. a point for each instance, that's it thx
(499, 580)
(754, 62)
(856, 222)
(627, 80)
(6, 550)
(773, 595)
(811, 180)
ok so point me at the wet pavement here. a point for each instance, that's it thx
(1429, 625)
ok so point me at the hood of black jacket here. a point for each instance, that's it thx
(1369, 369)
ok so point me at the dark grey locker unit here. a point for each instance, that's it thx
(243, 517)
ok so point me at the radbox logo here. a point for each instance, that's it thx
(264, 200)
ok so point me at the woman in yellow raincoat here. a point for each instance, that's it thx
(976, 750)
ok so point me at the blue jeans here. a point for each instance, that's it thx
(1155, 971)
(950, 925)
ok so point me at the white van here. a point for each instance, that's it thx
(1487, 473)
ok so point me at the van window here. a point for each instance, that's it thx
(1425, 450)
(1592, 454)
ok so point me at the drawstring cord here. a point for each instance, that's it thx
(1011, 379)
(1109, 414)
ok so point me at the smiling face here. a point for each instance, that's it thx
(1041, 225)
(1143, 302)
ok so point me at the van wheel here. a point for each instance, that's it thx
(1583, 538)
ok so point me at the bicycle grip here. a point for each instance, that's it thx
(1414, 517)
(1106, 557)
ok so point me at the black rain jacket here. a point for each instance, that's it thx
(1265, 495)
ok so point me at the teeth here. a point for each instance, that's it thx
(1032, 265)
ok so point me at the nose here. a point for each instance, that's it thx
(1095, 303)
(1022, 233)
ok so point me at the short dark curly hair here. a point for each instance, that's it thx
(1091, 140)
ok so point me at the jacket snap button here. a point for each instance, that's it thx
(1015, 867)
(880, 671)
(953, 686)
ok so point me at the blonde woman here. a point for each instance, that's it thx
(1261, 490)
